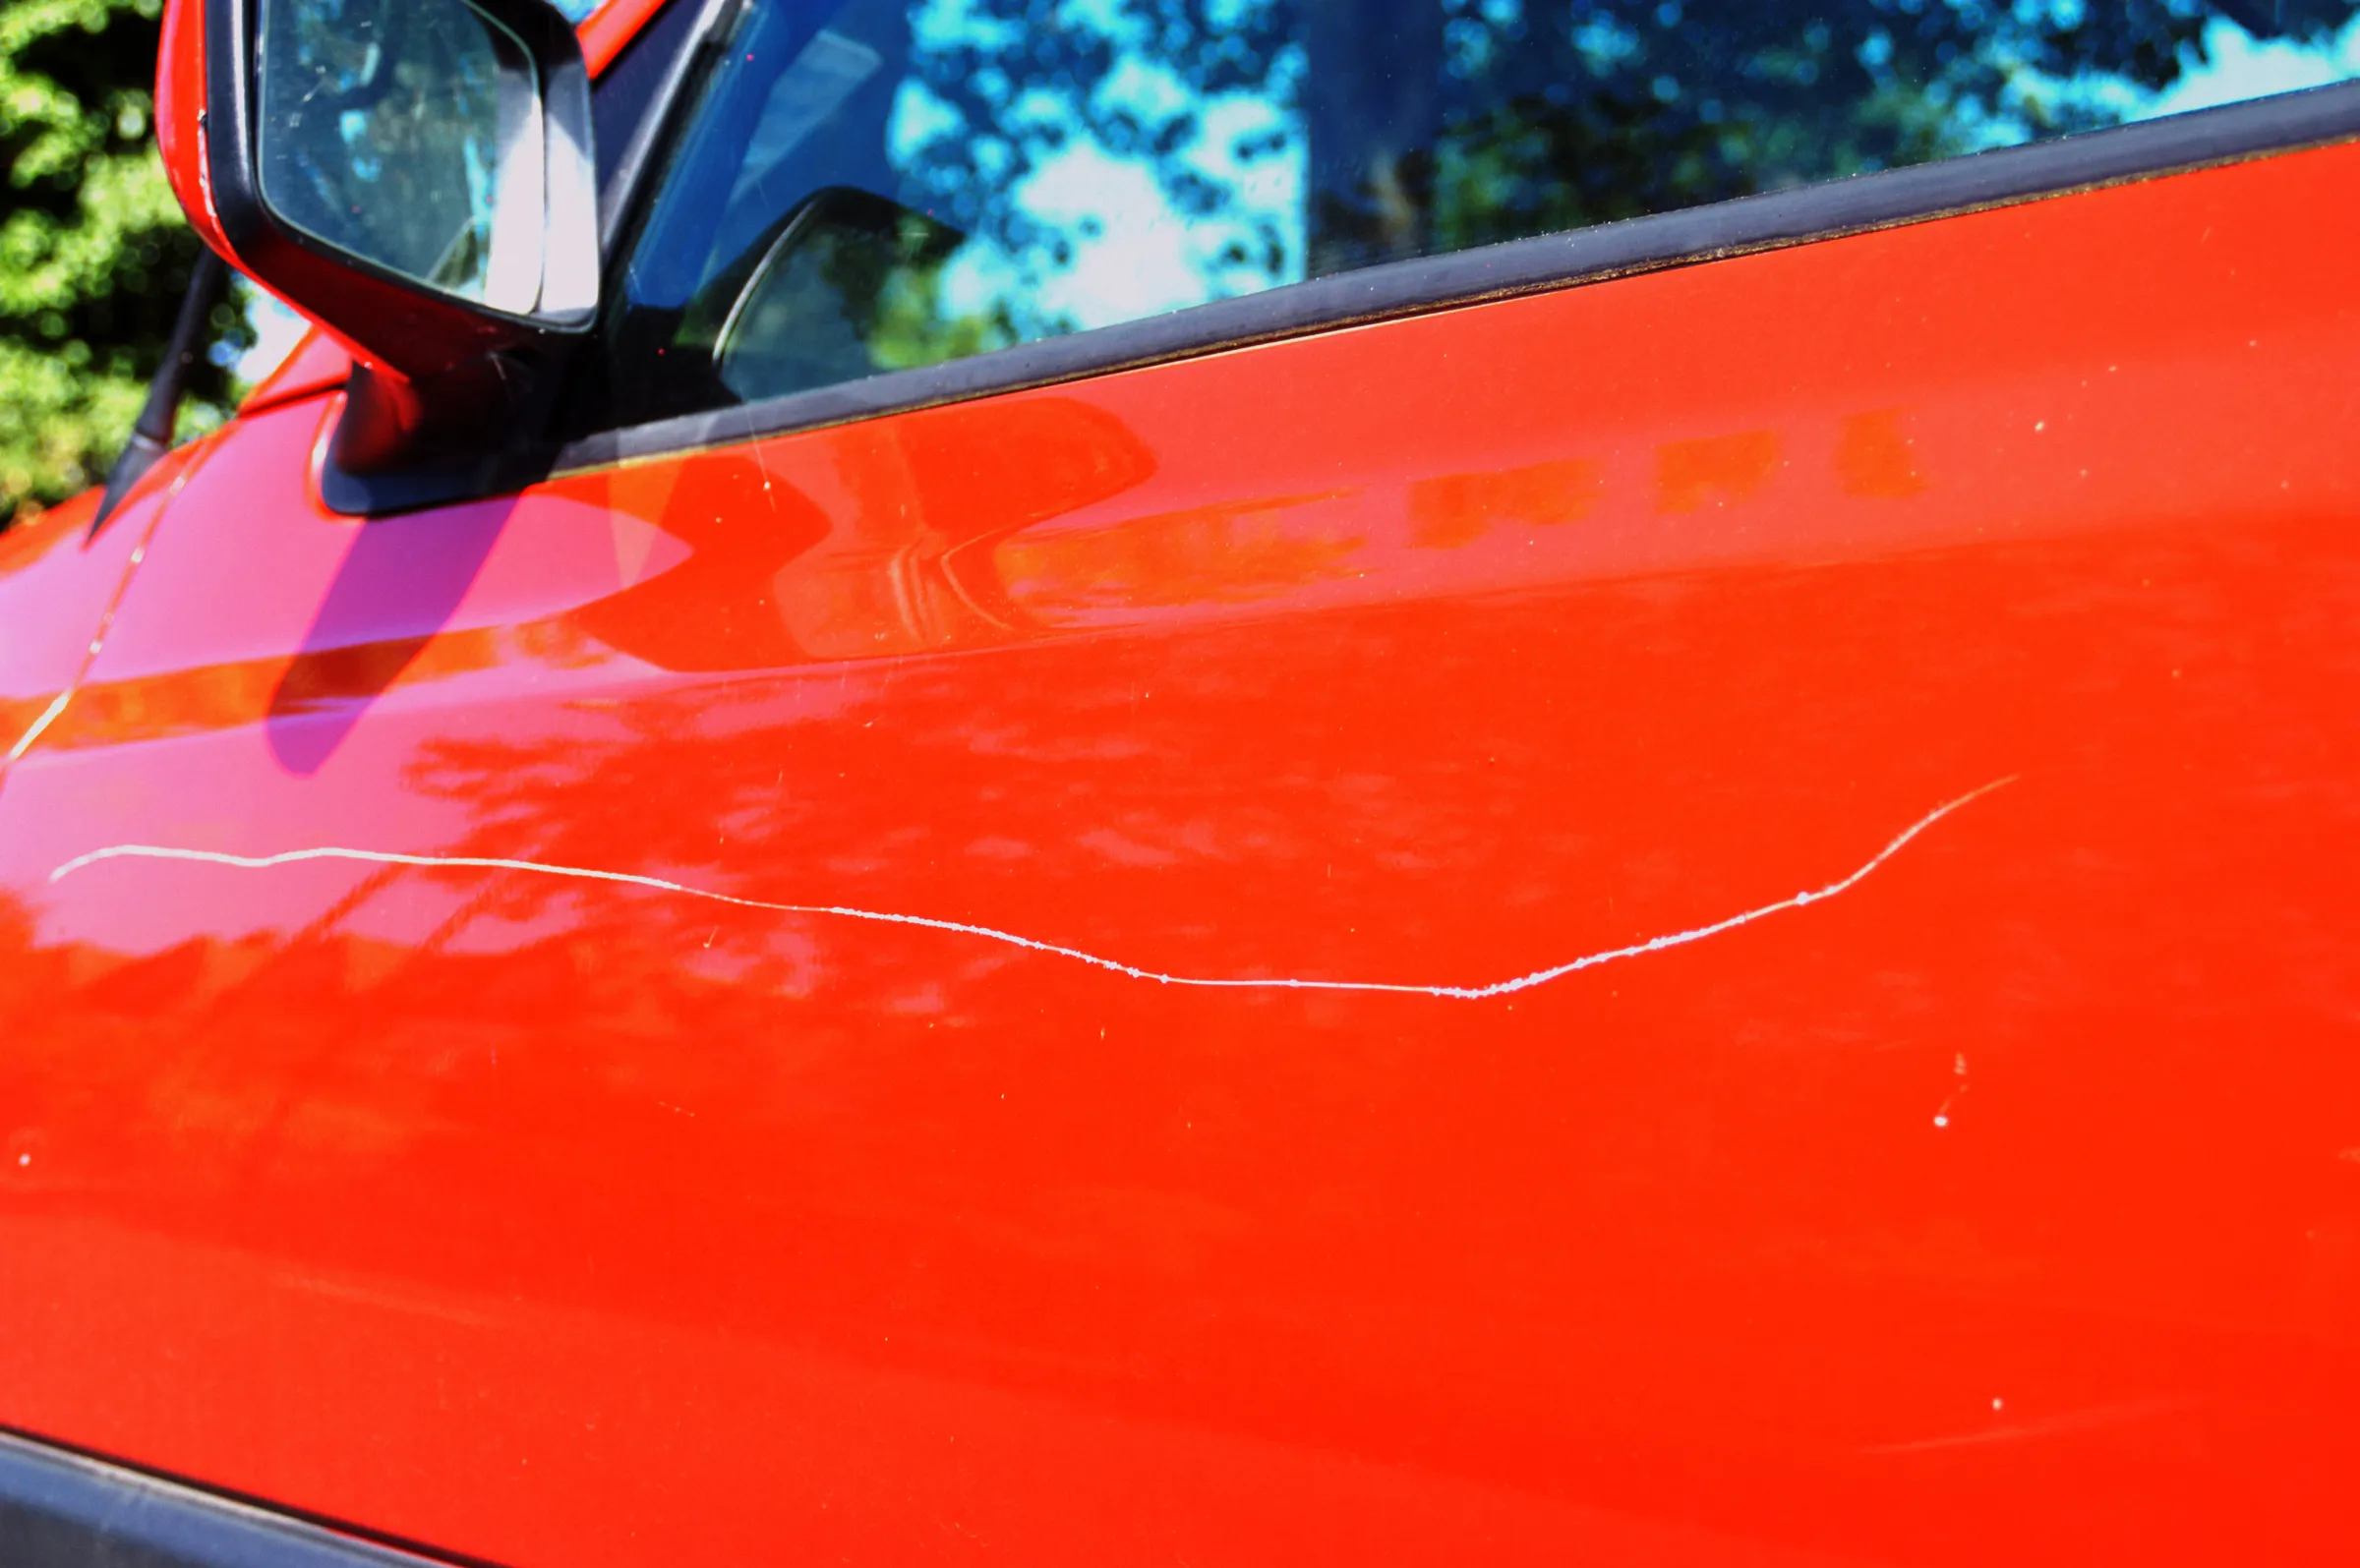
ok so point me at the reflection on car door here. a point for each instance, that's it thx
(1697, 916)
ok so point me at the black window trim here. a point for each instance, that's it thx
(2121, 154)
(706, 30)
(2180, 144)
(61, 1508)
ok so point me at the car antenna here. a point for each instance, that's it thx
(151, 437)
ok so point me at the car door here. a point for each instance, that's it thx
(1669, 893)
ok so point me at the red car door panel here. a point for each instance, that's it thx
(1700, 917)
(61, 582)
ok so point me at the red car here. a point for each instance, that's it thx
(1210, 782)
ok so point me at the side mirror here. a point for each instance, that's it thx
(415, 175)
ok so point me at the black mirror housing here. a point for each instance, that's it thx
(406, 322)
(416, 175)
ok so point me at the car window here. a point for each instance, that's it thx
(881, 185)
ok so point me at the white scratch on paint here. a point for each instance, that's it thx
(49, 717)
(1454, 993)
(114, 605)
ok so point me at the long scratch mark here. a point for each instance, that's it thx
(114, 605)
(40, 726)
(1454, 993)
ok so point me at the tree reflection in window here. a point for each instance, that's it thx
(1103, 161)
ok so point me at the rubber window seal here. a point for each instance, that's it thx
(2150, 149)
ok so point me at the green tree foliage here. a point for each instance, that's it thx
(1434, 125)
(95, 253)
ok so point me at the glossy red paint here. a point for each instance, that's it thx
(59, 589)
(180, 93)
(316, 363)
(1999, 1204)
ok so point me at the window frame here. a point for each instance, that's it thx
(1807, 214)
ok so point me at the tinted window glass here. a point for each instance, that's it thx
(881, 184)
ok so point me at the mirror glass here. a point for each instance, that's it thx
(406, 132)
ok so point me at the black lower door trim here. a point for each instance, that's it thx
(60, 1509)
